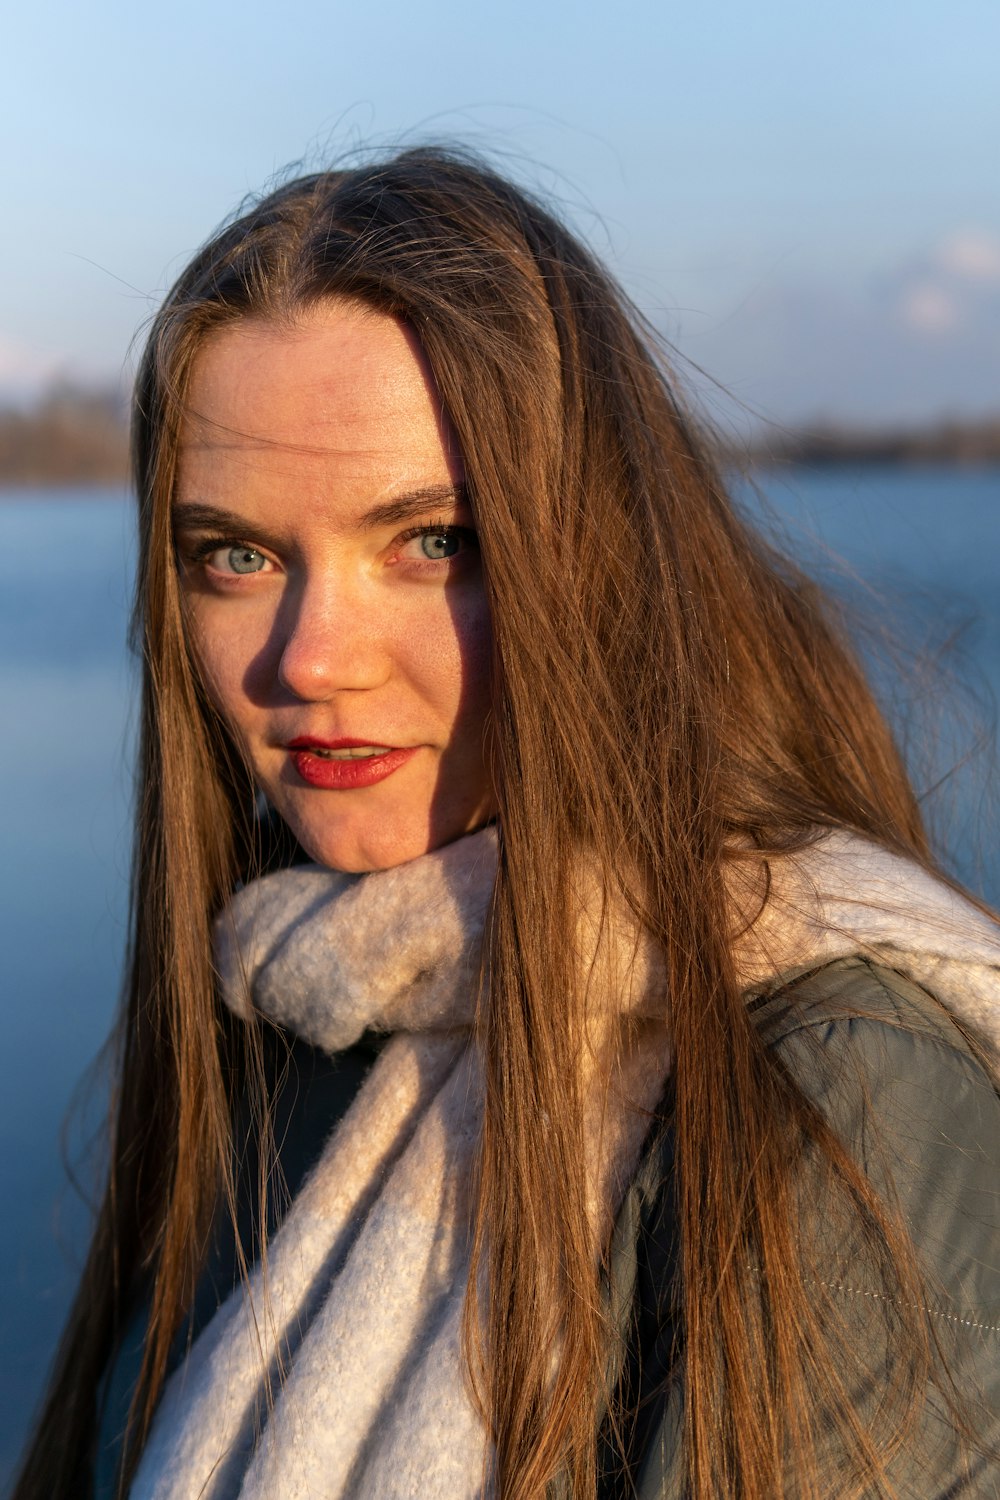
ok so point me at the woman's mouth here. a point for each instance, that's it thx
(344, 765)
(359, 752)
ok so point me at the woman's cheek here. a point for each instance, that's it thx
(474, 643)
(457, 632)
(230, 653)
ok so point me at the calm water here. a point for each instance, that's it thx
(928, 542)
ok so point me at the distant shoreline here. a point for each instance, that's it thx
(76, 437)
(71, 437)
(951, 444)
(118, 487)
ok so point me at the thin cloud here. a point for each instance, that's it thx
(929, 309)
(971, 254)
(954, 289)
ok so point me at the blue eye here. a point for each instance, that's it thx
(440, 545)
(245, 559)
(437, 542)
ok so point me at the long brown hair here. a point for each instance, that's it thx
(667, 689)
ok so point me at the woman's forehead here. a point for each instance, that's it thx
(335, 366)
(339, 381)
(340, 404)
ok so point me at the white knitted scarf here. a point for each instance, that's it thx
(358, 1327)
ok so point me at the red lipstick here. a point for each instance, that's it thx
(318, 765)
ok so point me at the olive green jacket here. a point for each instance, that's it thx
(907, 1096)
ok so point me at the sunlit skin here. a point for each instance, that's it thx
(327, 595)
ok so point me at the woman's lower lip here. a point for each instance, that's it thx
(343, 775)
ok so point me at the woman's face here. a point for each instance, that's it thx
(332, 579)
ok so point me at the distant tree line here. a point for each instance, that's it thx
(75, 435)
(829, 444)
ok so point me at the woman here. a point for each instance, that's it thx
(648, 1142)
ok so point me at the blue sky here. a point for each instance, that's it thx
(804, 196)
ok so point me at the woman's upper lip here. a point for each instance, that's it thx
(310, 741)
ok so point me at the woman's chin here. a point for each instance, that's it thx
(362, 851)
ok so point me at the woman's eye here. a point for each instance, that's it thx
(238, 560)
(440, 545)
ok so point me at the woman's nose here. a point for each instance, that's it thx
(331, 641)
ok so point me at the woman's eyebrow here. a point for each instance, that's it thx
(414, 503)
(206, 517)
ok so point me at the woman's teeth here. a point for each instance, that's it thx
(356, 752)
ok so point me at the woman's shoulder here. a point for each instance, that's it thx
(910, 1095)
(867, 1011)
(907, 1088)
(855, 1034)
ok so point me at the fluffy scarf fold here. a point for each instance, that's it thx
(341, 1374)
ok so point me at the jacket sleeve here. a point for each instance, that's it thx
(921, 1115)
